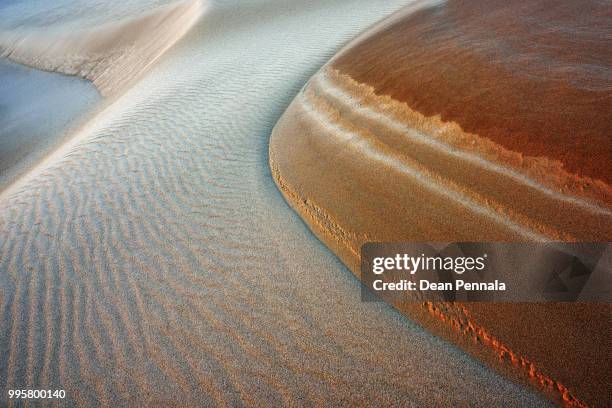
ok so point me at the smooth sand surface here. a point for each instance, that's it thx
(37, 108)
(110, 55)
(151, 259)
(532, 75)
(362, 166)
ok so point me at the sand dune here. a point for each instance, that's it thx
(367, 152)
(448, 163)
(532, 76)
(378, 179)
(151, 260)
(111, 55)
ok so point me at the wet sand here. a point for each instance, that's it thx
(151, 259)
(391, 142)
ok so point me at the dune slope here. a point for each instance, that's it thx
(111, 55)
(152, 261)
(440, 125)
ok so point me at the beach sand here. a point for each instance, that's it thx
(438, 126)
(150, 260)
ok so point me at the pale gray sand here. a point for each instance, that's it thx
(152, 259)
(36, 109)
(71, 14)
(111, 55)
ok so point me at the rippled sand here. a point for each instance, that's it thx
(151, 259)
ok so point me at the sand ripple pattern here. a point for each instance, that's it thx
(153, 262)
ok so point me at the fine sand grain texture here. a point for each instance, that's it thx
(151, 261)
(436, 127)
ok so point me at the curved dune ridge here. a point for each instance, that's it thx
(111, 55)
(373, 150)
(151, 260)
(446, 165)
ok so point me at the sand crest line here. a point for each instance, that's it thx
(111, 55)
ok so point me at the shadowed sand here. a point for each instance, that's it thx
(36, 108)
(151, 260)
(111, 55)
(369, 151)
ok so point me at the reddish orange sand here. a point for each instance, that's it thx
(532, 75)
(469, 121)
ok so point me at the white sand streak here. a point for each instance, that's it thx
(361, 145)
(152, 261)
(388, 135)
(376, 115)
